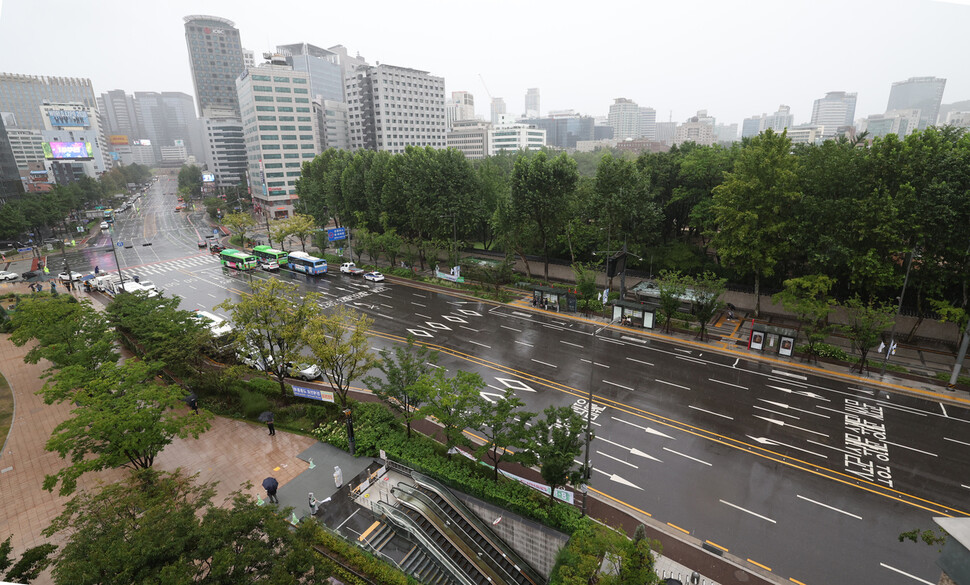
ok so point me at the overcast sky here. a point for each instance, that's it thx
(733, 58)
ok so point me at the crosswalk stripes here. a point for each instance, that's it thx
(181, 263)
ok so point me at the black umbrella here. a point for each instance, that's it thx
(270, 483)
(190, 398)
(265, 416)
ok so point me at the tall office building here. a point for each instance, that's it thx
(118, 113)
(323, 67)
(624, 117)
(216, 59)
(168, 120)
(497, 109)
(777, 122)
(279, 131)
(648, 123)
(515, 137)
(461, 106)
(698, 129)
(752, 126)
(532, 102)
(10, 183)
(918, 93)
(225, 147)
(471, 137)
(564, 129)
(332, 124)
(347, 63)
(72, 134)
(249, 58)
(899, 122)
(23, 95)
(834, 112)
(391, 107)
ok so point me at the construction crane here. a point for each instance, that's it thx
(486, 87)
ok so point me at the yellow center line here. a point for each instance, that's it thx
(759, 564)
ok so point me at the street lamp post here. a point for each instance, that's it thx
(587, 472)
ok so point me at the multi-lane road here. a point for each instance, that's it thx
(811, 477)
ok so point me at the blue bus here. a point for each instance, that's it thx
(307, 264)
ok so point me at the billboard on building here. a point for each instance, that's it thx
(208, 178)
(142, 142)
(179, 142)
(118, 139)
(68, 118)
(68, 150)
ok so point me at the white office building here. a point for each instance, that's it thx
(834, 113)
(27, 146)
(72, 133)
(624, 118)
(899, 122)
(515, 137)
(471, 137)
(279, 132)
(225, 148)
(648, 123)
(698, 129)
(461, 106)
(332, 124)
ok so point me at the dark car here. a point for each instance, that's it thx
(28, 275)
(216, 248)
(201, 244)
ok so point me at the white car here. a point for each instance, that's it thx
(303, 371)
(270, 265)
(75, 276)
(252, 359)
(351, 268)
(104, 225)
(374, 276)
(216, 324)
(7, 275)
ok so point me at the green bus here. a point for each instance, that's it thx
(267, 253)
(238, 260)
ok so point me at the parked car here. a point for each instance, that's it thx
(351, 268)
(7, 275)
(251, 358)
(374, 276)
(303, 371)
(75, 276)
(28, 275)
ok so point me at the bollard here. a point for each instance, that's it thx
(311, 464)
(313, 505)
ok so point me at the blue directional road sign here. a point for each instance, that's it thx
(121, 244)
(337, 234)
(215, 232)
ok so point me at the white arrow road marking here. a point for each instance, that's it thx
(800, 393)
(618, 479)
(709, 412)
(782, 423)
(785, 406)
(736, 507)
(829, 507)
(632, 451)
(688, 457)
(647, 429)
(767, 441)
(486, 395)
(618, 460)
(640, 453)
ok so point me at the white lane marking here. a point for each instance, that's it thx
(737, 507)
(728, 383)
(193, 288)
(618, 385)
(789, 375)
(955, 441)
(418, 304)
(545, 363)
(782, 423)
(512, 328)
(829, 507)
(682, 350)
(586, 361)
(692, 360)
(647, 429)
(636, 339)
(633, 451)
(417, 295)
(613, 341)
(709, 412)
(913, 577)
(620, 460)
(829, 447)
(672, 384)
(386, 306)
(469, 328)
(943, 408)
(525, 344)
(422, 316)
(481, 344)
(572, 344)
(639, 361)
(965, 486)
(912, 449)
(601, 365)
(773, 412)
(212, 295)
(688, 457)
(793, 383)
(767, 441)
(385, 296)
(518, 314)
(787, 407)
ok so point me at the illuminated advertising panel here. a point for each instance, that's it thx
(68, 150)
(208, 178)
(68, 118)
(118, 139)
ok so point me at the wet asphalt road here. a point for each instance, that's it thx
(814, 478)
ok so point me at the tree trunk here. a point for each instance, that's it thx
(757, 295)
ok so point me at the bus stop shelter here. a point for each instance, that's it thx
(635, 314)
(553, 299)
(772, 339)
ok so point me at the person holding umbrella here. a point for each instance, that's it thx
(267, 417)
(271, 485)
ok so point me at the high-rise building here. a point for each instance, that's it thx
(515, 137)
(698, 129)
(834, 112)
(72, 133)
(752, 126)
(391, 107)
(347, 63)
(216, 58)
(279, 131)
(666, 132)
(471, 137)
(10, 184)
(725, 133)
(249, 58)
(27, 146)
(332, 124)
(167, 119)
(323, 67)
(918, 93)
(648, 123)
(624, 117)
(497, 109)
(461, 106)
(564, 129)
(777, 122)
(225, 147)
(118, 114)
(532, 102)
(23, 95)
(899, 122)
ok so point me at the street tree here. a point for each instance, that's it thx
(866, 322)
(706, 291)
(339, 343)
(157, 527)
(505, 427)
(190, 180)
(29, 566)
(808, 298)
(637, 561)
(270, 322)
(557, 441)
(672, 286)
(302, 227)
(402, 370)
(454, 402)
(240, 223)
(753, 208)
(122, 417)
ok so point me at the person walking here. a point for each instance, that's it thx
(272, 429)
(271, 485)
(53, 287)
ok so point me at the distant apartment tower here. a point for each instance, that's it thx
(216, 58)
(471, 137)
(498, 108)
(323, 67)
(461, 106)
(332, 124)
(23, 94)
(666, 131)
(698, 129)
(279, 131)
(390, 108)
(118, 113)
(648, 123)
(515, 137)
(918, 93)
(777, 122)
(624, 117)
(899, 122)
(834, 112)
(532, 102)
(752, 126)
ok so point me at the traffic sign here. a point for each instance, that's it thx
(337, 234)
(121, 244)
(215, 232)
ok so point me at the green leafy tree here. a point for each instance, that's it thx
(240, 223)
(30, 564)
(122, 418)
(302, 227)
(454, 402)
(672, 286)
(505, 427)
(270, 321)
(706, 291)
(752, 208)
(808, 298)
(585, 276)
(113, 537)
(864, 327)
(556, 442)
(403, 370)
(190, 180)
(339, 342)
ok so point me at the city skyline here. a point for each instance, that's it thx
(713, 59)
